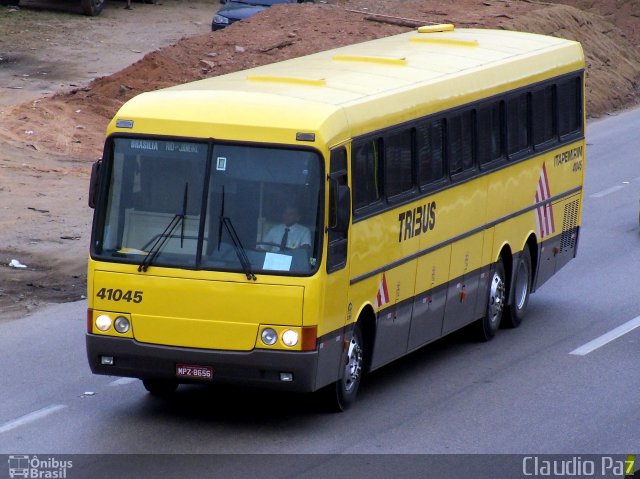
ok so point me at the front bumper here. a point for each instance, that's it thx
(253, 368)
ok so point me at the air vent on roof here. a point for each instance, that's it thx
(456, 42)
(440, 27)
(399, 61)
(287, 79)
(441, 39)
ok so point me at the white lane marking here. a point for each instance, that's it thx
(606, 192)
(31, 417)
(123, 381)
(607, 337)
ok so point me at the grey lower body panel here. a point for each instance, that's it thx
(554, 254)
(258, 368)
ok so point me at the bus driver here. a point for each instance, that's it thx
(289, 234)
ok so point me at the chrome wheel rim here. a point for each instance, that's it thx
(496, 298)
(353, 366)
(522, 285)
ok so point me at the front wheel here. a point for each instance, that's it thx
(522, 289)
(92, 8)
(162, 388)
(342, 394)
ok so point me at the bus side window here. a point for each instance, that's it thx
(460, 142)
(398, 163)
(365, 167)
(543, 116)
(569, 106)
(430, 148)
(518, 140)
(490, 128)
(338, 244)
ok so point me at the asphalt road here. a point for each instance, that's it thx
(543, 388)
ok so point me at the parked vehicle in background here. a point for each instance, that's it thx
(235, 10)
(89, 7)
(92, 7)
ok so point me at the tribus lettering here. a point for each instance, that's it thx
(416, 221)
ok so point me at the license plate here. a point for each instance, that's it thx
(204, 373)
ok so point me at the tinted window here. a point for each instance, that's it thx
(517, 123)
(543, 114)
(569, 106)
(266, 202)
(398, 163)
(337, 250)
(429, 146)
(460, 142)
(157, 193)
(366, 173)
(152, 184)
(338, 173)
(490, 137)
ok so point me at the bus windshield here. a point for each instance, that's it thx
(224, 207)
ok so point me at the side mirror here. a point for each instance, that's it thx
(339, 207)
(94, 183)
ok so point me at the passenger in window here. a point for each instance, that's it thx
(287, 235)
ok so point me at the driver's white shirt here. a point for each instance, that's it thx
(298, 236)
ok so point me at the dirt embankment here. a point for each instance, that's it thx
(50, 142)
(613, 64)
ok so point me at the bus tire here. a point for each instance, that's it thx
(92, 8)
(489, 325)
(342, 394)
(161, 388)
(521, 290)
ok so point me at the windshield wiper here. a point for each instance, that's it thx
(178, 218)
(237, 244)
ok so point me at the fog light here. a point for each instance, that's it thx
(269, 336)
(121, 324)
(286, 377)
(290, 338)
(103, 322)
(106, 360)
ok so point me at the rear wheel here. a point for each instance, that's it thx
(488, 326)
(161, 388)
(92, 7)
(522, 289)
(342, 394)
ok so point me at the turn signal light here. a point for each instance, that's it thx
(309, 338)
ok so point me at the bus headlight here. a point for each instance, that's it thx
(103, 322)
(121, 324)
(269, 336)
(290, 338)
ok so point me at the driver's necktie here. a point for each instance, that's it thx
(285, 237)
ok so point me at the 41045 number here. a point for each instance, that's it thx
(111, 294)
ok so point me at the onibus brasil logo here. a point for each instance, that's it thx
(34, 467)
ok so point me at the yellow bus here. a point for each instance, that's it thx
(298, 224)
